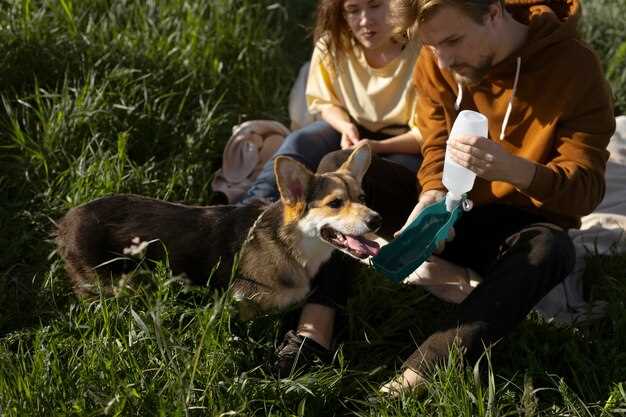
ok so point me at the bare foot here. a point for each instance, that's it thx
(408, 381)
(316, 323)
(445, 280)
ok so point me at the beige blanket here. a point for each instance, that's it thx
(250, 146)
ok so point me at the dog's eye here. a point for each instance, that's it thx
(336, 203)
(362, 198)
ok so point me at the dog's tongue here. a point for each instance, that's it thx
(362, 246)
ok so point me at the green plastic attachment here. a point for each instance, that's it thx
(417, 242)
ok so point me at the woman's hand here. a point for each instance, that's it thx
(406, 143)
(349, 136)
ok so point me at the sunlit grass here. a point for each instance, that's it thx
(103, 97)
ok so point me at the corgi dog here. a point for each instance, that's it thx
(280, 246)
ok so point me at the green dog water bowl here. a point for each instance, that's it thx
(417, 242)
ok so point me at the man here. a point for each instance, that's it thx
(521, 64)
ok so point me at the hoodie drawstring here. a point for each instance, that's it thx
(509, 107)
(459, 97)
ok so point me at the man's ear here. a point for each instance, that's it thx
(358, 162)
(494, 12)
(293, 179)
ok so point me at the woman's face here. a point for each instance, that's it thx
(367, 20)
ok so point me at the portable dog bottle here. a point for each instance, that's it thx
(458, 179)
(419, 239)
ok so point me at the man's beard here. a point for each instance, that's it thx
(473, 74)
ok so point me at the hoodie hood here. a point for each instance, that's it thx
(549, 22)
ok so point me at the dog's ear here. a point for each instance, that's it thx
(358, 162)
(293, 179)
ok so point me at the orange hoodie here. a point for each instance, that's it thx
(561, 115)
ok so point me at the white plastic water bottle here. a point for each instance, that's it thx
(458, 179)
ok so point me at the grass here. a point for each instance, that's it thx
(101, 97)
(605, 29)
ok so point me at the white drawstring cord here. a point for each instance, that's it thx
(509, 108)
(459, 96)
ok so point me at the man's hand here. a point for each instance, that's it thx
(426, 198)
(491, 161)
(349, 136)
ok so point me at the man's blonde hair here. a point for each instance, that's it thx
(408, 14)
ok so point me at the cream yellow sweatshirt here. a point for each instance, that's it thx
(378, 99)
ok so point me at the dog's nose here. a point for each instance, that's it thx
(374, 222)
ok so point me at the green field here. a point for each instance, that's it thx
(101, 97)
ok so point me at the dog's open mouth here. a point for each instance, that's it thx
(358, 246)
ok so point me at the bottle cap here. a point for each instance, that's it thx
(452, 201)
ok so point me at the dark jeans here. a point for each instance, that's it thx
(520, 257)
(308, 146)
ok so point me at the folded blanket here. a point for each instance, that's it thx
(251, 145)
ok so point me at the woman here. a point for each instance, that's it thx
(359, 85)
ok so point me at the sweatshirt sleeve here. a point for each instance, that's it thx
(573, 181)
(320, 91)
(431, 121)
(413, 119)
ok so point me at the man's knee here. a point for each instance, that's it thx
(549, 244)
(333, 160)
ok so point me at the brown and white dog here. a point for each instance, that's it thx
(281, 246)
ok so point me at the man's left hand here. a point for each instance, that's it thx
(491, 161)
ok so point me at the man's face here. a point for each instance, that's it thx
(459, 43)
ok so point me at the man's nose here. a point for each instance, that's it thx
(444, 59)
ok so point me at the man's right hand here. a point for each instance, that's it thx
(349, 136)
(426, 198)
